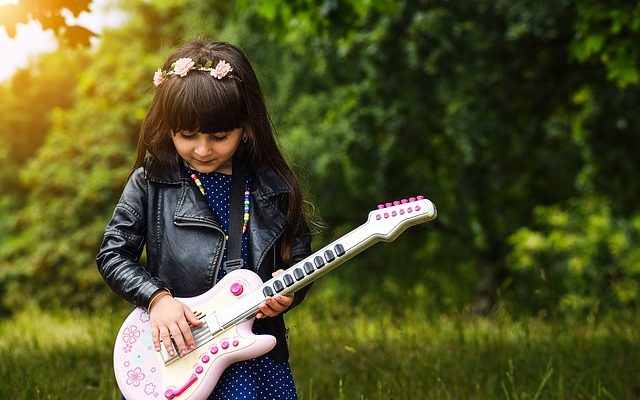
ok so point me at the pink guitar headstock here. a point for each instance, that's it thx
(391, 219)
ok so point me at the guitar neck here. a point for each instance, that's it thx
(384, 224)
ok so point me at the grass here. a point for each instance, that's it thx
(338, 353)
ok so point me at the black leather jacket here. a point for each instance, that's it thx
(163, 212)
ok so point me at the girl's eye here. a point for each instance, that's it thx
(188, 135)
(219, 138)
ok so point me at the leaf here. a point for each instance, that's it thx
(76, 35)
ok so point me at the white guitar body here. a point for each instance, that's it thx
(228, 311)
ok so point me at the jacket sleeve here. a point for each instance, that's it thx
(118, 259)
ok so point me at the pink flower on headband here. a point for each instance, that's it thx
(182, 66)
(221, 70)
(158, 77)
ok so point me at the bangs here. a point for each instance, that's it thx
(199, 102)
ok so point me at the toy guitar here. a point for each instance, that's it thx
(228, 311)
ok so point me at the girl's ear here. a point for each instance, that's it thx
(245, 133)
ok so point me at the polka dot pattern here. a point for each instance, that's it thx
(258, 379)
(261, 378)
(218, 195)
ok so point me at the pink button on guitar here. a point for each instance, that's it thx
(237, 289)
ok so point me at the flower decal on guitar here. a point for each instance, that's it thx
(127, 348)
(149, 388)
(131, 334)
(135, 376)
(144, 317)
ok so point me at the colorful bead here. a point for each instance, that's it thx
(198, 183)
(245, 217)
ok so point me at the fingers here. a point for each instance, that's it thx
(273, 306)
(155, 335)
(171, 327)
(165, 338)
(191, 318)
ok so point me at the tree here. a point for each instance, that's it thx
(497, 107)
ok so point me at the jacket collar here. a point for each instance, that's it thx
(192, 208)
(267, 183)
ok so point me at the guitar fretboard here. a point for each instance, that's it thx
(384, 224)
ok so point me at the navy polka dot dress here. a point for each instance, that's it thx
(260, 378)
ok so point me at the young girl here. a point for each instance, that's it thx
(207, 137)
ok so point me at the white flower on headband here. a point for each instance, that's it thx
(182, 66)
(158, 77)
(221, 70)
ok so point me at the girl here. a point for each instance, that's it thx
(207, 139)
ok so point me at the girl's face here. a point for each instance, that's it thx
(208, 152)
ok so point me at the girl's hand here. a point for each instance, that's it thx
(170, 319)
(274, 305)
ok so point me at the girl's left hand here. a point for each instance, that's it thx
(274, 305)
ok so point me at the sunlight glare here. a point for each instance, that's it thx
(30, 41)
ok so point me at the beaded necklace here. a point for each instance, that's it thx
(245, 215)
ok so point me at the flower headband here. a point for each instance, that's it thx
(182, 66)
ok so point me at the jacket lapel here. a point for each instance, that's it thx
(191, 207)
(266, 221)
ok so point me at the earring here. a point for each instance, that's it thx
(245, 138)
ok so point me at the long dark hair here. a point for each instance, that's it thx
(199, 102)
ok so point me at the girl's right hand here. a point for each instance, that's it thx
(170, 319)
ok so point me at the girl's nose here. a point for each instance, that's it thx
(202, 146)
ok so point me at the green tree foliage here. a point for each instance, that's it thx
(73, 179)
(495, 108)
(504, 113)
(609, 35)
(580, 259)
(45, 86)
(71, 185)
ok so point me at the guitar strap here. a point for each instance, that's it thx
(236, 207)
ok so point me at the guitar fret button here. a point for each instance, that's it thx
(298, 274)
(267, 291)
(328, 255)
(288, 280)
(319, 262)
(339, 250)
(308, 268)
(278, 286)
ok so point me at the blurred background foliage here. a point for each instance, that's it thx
(518, 119)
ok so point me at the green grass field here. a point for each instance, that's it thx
(346, 354)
